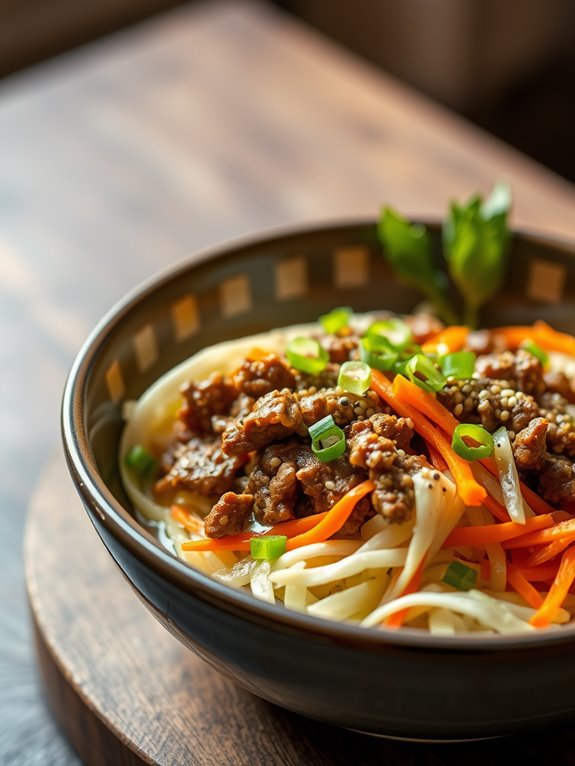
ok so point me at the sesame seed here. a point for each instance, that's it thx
(505, 415)
(458, 409)
(329, 485)
(512, 402)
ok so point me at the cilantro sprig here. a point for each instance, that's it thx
(475, 239)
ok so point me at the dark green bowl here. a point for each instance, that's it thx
(401, 684)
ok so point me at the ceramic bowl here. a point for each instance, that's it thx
(394, 683)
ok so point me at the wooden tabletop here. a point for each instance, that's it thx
(212, 121)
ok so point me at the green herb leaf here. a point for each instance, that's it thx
(475, 238)
(407, 248)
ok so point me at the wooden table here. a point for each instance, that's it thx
(215, 120)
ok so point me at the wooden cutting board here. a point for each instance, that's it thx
(126, 692)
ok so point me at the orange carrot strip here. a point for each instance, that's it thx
(241, 542)
(334, 519)
(544, 536)
(541, 333)
(470, 491)
(450, 339)
(495, 533)
(496, 509)
(180, 514)
(396, 619)
(522, 586)
(549, 551)
(557, 592)
(541, 573)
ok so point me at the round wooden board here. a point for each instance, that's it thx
(125, 691)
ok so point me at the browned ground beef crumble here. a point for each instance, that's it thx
(242, 440)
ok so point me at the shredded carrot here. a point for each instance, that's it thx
(396, 619)
(557, 592)
(496, 509)
(181, 514)
(470, 491)
(241, 542)
(542, 573)
(550, 551)
(541, 333)
(495, 533)
(334, 519)
(558, 531)
(450, 339)
(522, 586)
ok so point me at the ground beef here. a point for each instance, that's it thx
(200, 465)
(229, 515)
(290, 481)
(273, 483)
(241, 407)
(559, 383)
(260, 376)
(480, 342)
(323, 484)
(327, 378)
(373, 446)
(341, 349)
(342, 406)
(557, 480)
(275, 416)
(530, 445)
(561, 432)
(362, 512)
(423, 326)
(519, 367)
(493, 403)
(203, 400)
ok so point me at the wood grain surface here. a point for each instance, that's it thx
(127, 692)
(214, 121)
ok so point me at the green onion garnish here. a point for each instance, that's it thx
(460, 576)
(421, 371)
(479, 435)
(140, 461)
(394, 330)
(307, 355)
(378, 352)
(327, 439)
(267, 547)
(336, 320)
(458, 365)
(538, 352)
(354, 377)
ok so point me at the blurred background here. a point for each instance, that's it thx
(508, 65)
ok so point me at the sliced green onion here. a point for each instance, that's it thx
(460, 576)
(140, 461)
(421, 371)
(307, 355)
(336, 320)
(354, 377)
(378, 352)
(394, 330)
(479, 435)
(327, 439)
(459, 364)
(268, 547)
(536, 351)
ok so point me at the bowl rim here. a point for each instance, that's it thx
(119, 522)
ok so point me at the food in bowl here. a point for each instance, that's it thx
(381, 470)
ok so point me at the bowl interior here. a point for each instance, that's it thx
(280, 280)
